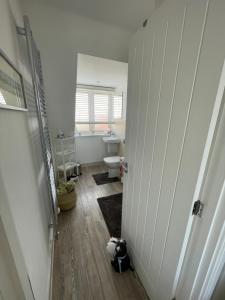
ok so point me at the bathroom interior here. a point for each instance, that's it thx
(95, 153)
(63, 115)
(100, 112)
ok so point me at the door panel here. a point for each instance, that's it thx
(162, 177)
(168, 115)
(183, 158)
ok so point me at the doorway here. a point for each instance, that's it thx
(100, 113)
(100, 106)
(100, 116)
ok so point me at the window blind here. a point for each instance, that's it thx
(101, 108)
(117, 107)
(82, 108)
(96, 110)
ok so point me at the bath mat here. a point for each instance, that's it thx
(111, 207)
(103, 178)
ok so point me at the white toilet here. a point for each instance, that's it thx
(112, 161)
(113, 164)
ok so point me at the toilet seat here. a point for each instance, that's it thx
(113, 164)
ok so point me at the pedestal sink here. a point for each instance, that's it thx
(112, 145)
(111, 139)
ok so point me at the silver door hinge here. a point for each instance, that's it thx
(197, 208)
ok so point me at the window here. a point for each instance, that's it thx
(117, 107)
(96, 110)
(82, 108)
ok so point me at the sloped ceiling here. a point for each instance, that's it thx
(127, 14)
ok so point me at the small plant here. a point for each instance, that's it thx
(65, 187)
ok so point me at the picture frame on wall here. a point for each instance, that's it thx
(12, 94)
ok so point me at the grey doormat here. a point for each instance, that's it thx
(103, 178)
(111, 207)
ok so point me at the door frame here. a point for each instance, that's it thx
(215, 265)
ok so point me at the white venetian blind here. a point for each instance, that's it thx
(82, 108)
(96, 110)
(117, 107)
(101, 108)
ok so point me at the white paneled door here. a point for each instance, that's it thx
(175, 66)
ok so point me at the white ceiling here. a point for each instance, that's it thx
(127, 14)
(99, 71)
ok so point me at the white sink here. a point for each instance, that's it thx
(111, 139)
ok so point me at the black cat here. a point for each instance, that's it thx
(121, 261)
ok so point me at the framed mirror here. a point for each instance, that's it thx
(11, 85)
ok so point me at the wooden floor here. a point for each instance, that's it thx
(82, 267)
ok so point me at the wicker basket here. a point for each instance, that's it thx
(67, 201)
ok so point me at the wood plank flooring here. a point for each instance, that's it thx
(82, 268)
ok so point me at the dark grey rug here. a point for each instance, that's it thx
(111, 207)
(103, 178)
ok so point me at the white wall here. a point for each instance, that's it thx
(24, 194)
(60, 36)
(90, 149)
(158, 3)
(10, 287)
(103, 72)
